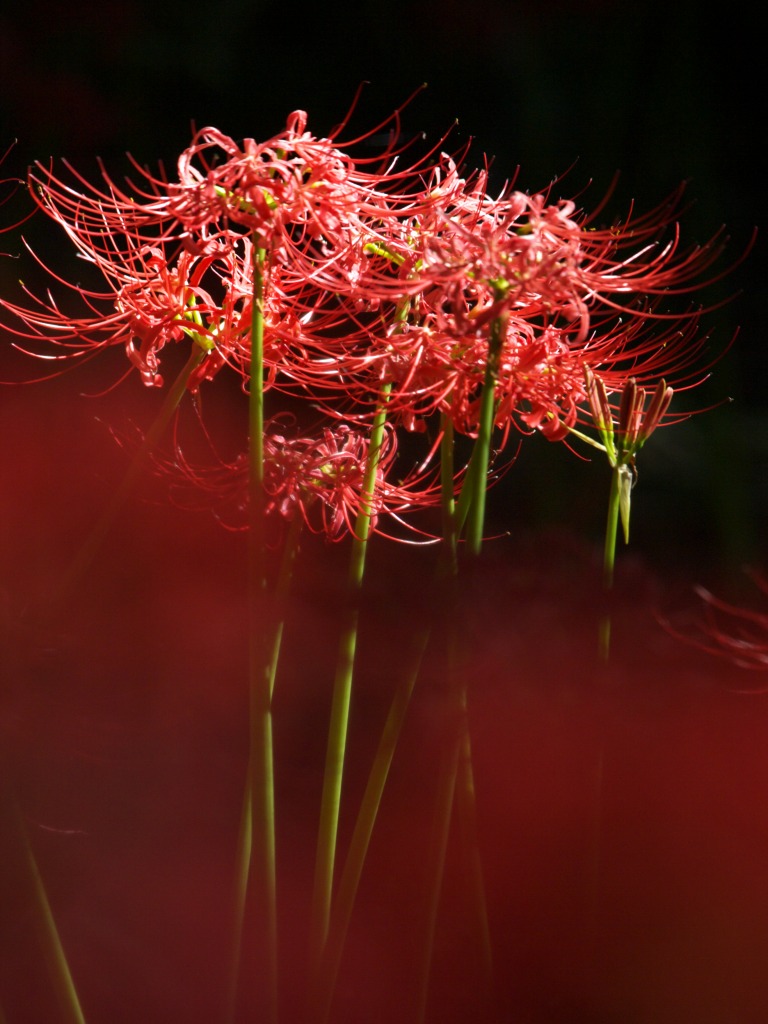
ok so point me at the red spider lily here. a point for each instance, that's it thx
(318, 478)
(159, 245)
(463, 261)
(523, 254)
(539, 377)
(292, 179)
(372, 273)
(156, 296)
(150, 302)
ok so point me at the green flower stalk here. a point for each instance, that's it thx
(324, 981)
(47, 930)
(621, 442)
(261, 766)
(478, 480)
(342, 694)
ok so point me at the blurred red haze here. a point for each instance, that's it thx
(621, 813)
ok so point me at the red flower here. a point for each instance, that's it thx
(151, 300)
(567, 296)
(318, 478)
(265, 188)
(373, 274)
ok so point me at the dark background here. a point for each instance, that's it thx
(659, 92)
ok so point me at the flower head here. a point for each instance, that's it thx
(317, 478)
(635, 423)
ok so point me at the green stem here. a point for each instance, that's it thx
(284, 579)
(451, 526)
(245, 838)
(323, 984)
(58, 968)
(342, 693)
(609, 559)
(482, 450)
(456, 787)
(441, 824)
(325, 981)
(244, 850)
(261, 769)
(467, 814)
(453, 520)
(456, 784)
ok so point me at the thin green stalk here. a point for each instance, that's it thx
(325, 981)
(456, 789)
(282, 592)
(453, 521)
(609, 559)
(482, 451)
(245, 837)
(467, 814)
(261, 767)
(594, 852)
(323, 984)
(451, 525)
(474, 506)
(244, 850)
(58, 967)
(457, 777)
(441, 824)
(611, 528)
(342, 693)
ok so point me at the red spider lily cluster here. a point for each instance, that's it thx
(367, 275)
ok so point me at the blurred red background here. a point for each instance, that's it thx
(621, 812)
